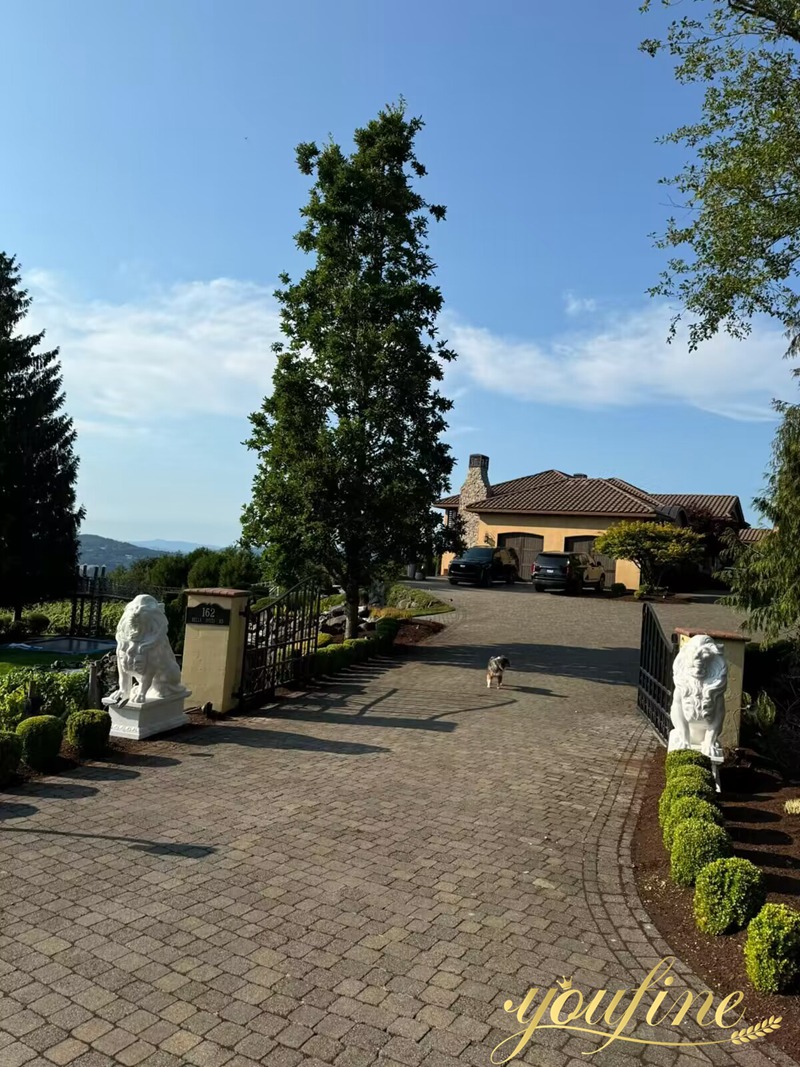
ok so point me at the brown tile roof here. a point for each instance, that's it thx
(718, 505)
(552, 492)
(567, 496)
(516, 484)
(750, 536)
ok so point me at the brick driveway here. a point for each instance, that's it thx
(361, 875)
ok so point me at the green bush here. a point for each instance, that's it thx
(329, 602)
(772, 949)
(686, 758)
(41, 740)
(727, 895)
(420, 600)
(695, 844)
(61, 692)
(88, 732)
(10, 755)
(36, 623)
(689, 808)
(618, 589)
(682, 786)
(691, 773)
(323, 640)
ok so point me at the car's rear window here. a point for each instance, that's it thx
(478, 553)
(557, 557)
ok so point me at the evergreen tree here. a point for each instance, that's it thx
(39, 519)
(764, 581)
(351, 460)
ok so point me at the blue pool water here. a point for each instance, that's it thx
(66, 646)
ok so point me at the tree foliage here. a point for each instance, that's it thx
(763, 580)
(654, 547)
(736, 241)
(39, 519)
(349, 443)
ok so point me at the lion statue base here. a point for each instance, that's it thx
(700, 675)
(150, 695)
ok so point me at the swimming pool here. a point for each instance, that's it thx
(66, 646)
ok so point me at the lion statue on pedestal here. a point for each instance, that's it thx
(146, 664)
(698, 702)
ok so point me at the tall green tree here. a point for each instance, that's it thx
(351, 459)
(764, 583)
(735, 243)
(39, 519)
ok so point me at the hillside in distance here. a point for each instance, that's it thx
(106, 552)
(160, 545)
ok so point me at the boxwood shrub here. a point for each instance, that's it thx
(689, 808)
(695, 844)
(686, 758)
(772, 949)
(41, 740)
(88, 732)
(10, 755)
(728, 893)
(682, 787)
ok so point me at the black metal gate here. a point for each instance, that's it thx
(280, 642)
(656, 656)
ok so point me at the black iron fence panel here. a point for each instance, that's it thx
(656, 656)
(280, 643)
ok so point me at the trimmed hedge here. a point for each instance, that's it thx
(686, 758)
(697, 843)
(41, 740)
(682, 787)
(88, 732)
(689, 808)
(10, 755)
(727, 895)
(692, 773)
(772, 949)
(331, 658)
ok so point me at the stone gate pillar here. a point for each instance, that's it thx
(213, 645)
(733, 649)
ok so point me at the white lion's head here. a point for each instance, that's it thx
(700, 664)
(143, 616)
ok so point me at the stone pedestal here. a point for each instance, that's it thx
(137, 721)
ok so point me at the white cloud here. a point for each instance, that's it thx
(624, 360)
(205, 348)
(199, 347)
(577, 305)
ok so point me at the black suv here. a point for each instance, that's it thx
(570, 571)
(482, 566)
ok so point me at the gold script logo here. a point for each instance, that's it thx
(611, 1016)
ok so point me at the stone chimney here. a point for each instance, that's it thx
(476, 487)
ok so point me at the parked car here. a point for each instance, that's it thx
(482, 566)
(570, 571)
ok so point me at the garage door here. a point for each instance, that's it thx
(586, 544)
(527, 547)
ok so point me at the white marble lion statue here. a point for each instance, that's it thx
(700, 675)
(145, 662)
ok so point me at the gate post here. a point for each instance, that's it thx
(733, 649)
(213, 646)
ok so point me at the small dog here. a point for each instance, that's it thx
(497, 664)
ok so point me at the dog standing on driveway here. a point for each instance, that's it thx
(494, 672)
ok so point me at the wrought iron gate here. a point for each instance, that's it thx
(280, 642)
(657, 652)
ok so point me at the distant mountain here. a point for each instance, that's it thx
(105, 552)
(173, 546)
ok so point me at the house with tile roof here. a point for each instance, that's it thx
(557, 512)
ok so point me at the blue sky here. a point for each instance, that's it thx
(153, 199)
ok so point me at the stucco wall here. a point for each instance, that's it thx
(554, 529)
